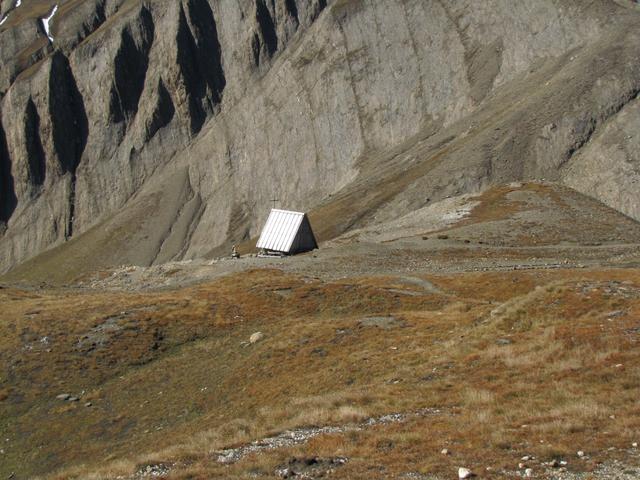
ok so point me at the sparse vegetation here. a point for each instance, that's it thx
(179, 396)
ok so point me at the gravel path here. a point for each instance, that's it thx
(302, 435)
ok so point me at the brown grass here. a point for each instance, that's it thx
(176, 383)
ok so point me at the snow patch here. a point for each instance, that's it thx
(6, 17)
(46, 23)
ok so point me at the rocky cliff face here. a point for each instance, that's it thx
(161, 130)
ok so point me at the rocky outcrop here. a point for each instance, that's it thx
(363, 109)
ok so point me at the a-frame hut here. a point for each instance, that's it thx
(287, 233)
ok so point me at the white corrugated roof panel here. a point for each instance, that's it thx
(280, 230)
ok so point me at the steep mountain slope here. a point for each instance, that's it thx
(357, 109)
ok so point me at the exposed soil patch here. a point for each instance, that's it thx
(385, 323)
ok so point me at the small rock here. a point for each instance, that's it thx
(73, 399)
(63, 396)
(284, 473)
(88, 404)
(445, 451)
(256, 337)
(528, 472)
(465, 473)
(319, 351)
(521, 465)
(634, 444)
(554, 463)
(526, 458)
(580, 453)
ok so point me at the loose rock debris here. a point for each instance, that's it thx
(299, 436)
(153, 470)
(310, 467)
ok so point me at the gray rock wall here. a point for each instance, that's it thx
(367, 76)
(261, 99)
(609, 166)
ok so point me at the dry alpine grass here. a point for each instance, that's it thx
(519, 363)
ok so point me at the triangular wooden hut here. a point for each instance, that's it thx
(287, 233)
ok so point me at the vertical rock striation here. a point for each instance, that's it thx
(200, 60)
(69, 126)
(36, 157)
(8, 200)
(69, 123)
(305, 100)
(130, 68)
(162, 114)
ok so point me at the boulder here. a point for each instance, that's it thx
(465, 473)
